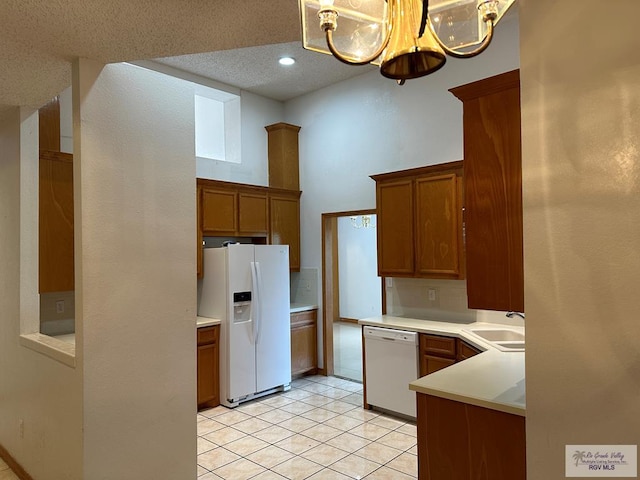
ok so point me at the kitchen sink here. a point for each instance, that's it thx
(503, 339)
(498, 335)
(514, 346)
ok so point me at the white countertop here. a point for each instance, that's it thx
(492, 379)
(206, 322)
(301, 307)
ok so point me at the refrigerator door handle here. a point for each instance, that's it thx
(255, 302)
(259, 305)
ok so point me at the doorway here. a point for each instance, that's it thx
(351, 289)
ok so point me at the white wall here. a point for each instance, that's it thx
(35, 389)
(135, 213)
(369, 124)
(580, 90)
(359, 283)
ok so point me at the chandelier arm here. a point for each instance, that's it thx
(334, 51)
(454, 53)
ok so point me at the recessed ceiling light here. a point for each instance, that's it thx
(286, 61)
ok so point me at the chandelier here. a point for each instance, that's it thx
(406, 38)
(365, 222)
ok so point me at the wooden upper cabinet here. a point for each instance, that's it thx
(420, 222)
(285, 224)
(282, 141)
(438, 226)
(264, 214)
(253, 214)
(55, 232)
(219, 211)
(493, 192)
(394, 205)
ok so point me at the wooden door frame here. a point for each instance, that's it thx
(330, 290)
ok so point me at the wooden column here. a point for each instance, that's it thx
(283, 156)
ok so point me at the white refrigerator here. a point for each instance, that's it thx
(247, 288)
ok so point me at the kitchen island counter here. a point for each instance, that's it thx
(492, 379)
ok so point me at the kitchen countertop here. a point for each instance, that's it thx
(301, 307)
(206, 322)
(492, 379)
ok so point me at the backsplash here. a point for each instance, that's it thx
(53, 322)
(304, 286)
(409, 297)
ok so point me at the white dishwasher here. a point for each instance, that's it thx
(391, 363)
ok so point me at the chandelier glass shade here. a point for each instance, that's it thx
(406, 38)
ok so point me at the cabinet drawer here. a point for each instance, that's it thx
(465, 350)
(208, 335)
(299, 319)
(437, 345)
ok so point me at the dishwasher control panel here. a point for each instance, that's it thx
(391, 335)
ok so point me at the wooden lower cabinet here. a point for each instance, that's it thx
(458, 441)
(208, 366)
(465, 350)
(304, 350)
(436, 352)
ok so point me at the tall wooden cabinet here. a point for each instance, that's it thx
(55, 232)
(420, 222)
(55, 205)
(493, 192)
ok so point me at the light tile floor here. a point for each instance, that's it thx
(317, 430)
(6, 473)
(347, 350)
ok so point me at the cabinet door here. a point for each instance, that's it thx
(493, 192)
(430, 364)
(465, 350)
(55, 232)
(438, 227)
(253, 214)
(436, 352)
(303, 342)
(284, 218)
(461, 441)
(218, 211)
(394, 203)
(208, 367)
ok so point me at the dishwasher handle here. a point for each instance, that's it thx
(391, 335)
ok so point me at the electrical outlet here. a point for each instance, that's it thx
(432, 294)
(388, 282)
(60, 306)
(21, 428)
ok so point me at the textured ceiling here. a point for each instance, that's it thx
(256, 69)
(40, 38)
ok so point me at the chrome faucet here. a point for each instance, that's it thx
(511, 314)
